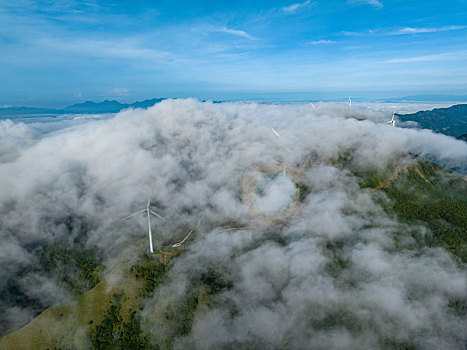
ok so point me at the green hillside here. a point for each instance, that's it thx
(103, 317)
(106, 317)
(450, 121)
(425, 194)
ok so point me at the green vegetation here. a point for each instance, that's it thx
(104, 317)
(175, 317)
(338, 261)
(114, 332)
(214, 282)
(150, 271)
(68, 259)
(120, 327)
(450, 121)
(427, 195)
(182, 313)
(68, 262)
(302, 191)
(72, 263)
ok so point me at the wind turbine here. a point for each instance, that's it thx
(148, 212)
(279, 136)
(392, 121)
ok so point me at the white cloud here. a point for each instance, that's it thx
(197, 159)
(294, 7)
(375, 3)
(368, 32)
(403, 31)
(125, 48)
(410, 30)
(119, 92)
(236, 32)
(319, 42)
(448, 56)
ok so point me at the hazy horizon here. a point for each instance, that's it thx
(424, 100)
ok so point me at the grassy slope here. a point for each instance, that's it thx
(65, 325)
(106, 317)
(83, 321)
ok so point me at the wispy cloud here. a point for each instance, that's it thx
(129, 49)
(295, 7)
(236, 32)
(409, 30)
(403, 31)
(448, 56)
(119, 92)
(374, 3)
(320, 42)
(366, 33)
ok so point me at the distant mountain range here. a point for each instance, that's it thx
(80, 108)
(451, 121)
(428, 98)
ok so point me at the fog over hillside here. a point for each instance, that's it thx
(321, 269)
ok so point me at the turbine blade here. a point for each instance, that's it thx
(275, 132)
(154, 213)
(129, 216)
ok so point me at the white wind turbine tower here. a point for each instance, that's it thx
(392, 121)
(148, 212)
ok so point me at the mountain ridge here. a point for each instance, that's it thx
(450, 121)
(106, 106)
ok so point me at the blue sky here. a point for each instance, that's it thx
(59, 52)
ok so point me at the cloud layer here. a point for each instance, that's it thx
(323, 273)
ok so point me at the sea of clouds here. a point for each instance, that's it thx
(324, 274)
